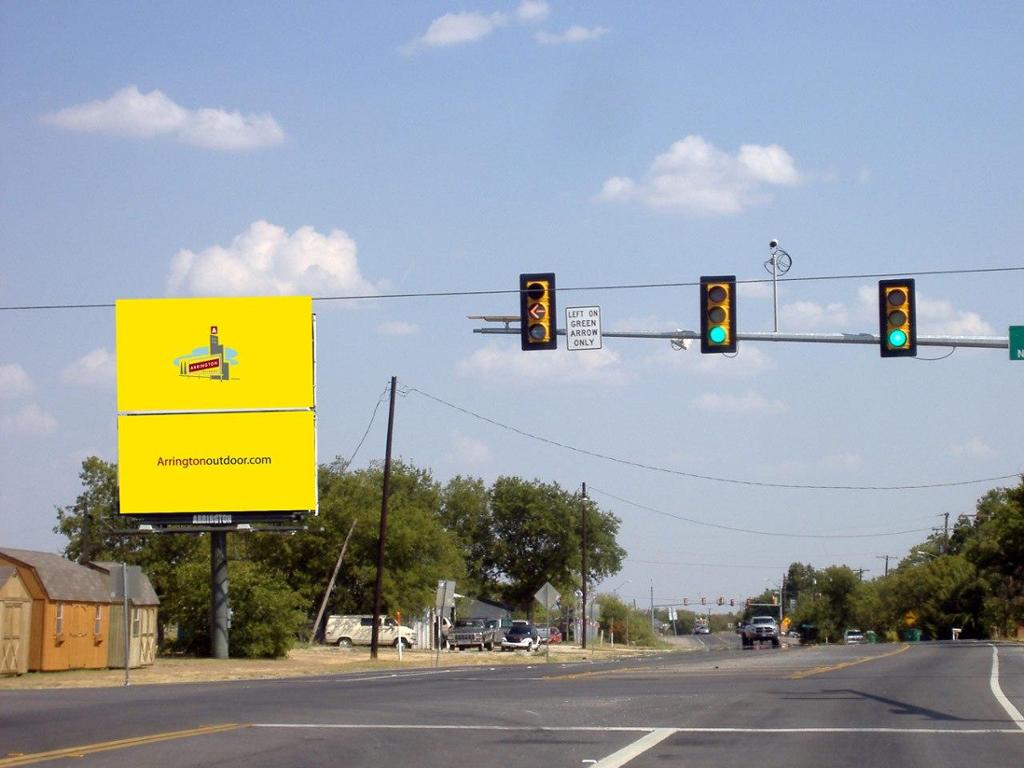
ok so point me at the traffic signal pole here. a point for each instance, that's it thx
(975, 342)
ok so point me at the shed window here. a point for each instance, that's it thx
(58, 626)
(136, 622)
(97, 626)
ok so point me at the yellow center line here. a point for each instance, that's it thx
(845, 664)
(106, 746)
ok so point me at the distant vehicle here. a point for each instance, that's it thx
(521, 636)
(474, 633)
(550, 635)
(854, 637)
(702, 629)
(358, 630)
(761, 629)
(794, 634)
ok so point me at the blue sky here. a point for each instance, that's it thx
(340, 150)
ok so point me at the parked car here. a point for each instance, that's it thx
(474, 633)
(358, 630)
(521, 636)
(702, 629)
(550, 635)
(854, 637)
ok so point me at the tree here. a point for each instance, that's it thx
(418, 552)
(536, 529)
(997, 551)
(90, 522)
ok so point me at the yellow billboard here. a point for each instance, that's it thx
(224, 462)
(214, 354)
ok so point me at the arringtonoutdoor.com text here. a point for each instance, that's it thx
(212, 461)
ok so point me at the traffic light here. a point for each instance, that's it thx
(718, 314)
(732, 602)
(537, 311)
(721, 601)
(703, 601)
(686, 601)
(897, 318)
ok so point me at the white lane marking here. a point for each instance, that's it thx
(637, 748)
(993, 682)
(636, 729)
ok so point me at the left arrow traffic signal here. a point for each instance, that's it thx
(537, 311)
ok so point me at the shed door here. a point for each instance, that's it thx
(10, 636)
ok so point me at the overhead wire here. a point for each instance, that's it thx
(697, 476)
(564, 289)
(754, 531)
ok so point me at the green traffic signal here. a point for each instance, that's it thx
(717, 334)
(897, 338)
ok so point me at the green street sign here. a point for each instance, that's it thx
(1017, 342)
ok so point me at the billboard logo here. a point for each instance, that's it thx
(210, 362)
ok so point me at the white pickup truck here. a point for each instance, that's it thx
(358, 630)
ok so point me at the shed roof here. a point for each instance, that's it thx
(140, 587)
(61, 578)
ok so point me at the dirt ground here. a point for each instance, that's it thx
(303, 661)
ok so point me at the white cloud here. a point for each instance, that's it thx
(812, 316)
(749, 361)
(397, 328)
(696, 179)
(97, 368)
(938, 317)
(150, 115)
(574, 34)
(469, 451)
(507, 363)
(457, 29)
(974, 448)
(530, 11)
(28, 421)
(14, 382)
(750, 403)
(265, 259)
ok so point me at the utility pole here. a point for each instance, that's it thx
(945, 533)
(378, 586)
(652, 607)
(583, 561)
(860, 573)
(886, 558)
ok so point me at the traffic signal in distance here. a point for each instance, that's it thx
(721, 601)
(897, 318)
(732, 601)
(718, 314)
(537, 311)
(703, 601)
(686, 601)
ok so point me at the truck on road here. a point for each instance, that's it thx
(760, 629)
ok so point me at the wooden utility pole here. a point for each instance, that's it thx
(583, 562)
(386, 491)
(330, 585)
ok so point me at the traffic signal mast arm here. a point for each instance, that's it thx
(977, 342)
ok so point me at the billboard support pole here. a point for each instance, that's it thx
(219, 594)
(385, 492)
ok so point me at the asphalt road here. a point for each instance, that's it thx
(926, 704)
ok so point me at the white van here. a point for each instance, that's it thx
(358, 630)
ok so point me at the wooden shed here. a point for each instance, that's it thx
(142, 609)
(70, 611)
(15, 622)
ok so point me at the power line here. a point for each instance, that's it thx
(695, 476)
(565, 289)
(368, 426)
(785, 534)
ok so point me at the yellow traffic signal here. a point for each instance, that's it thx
(537, 311)
(897, 318)
(718, 314)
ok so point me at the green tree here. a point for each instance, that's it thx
(536, 531)
(418, 550)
